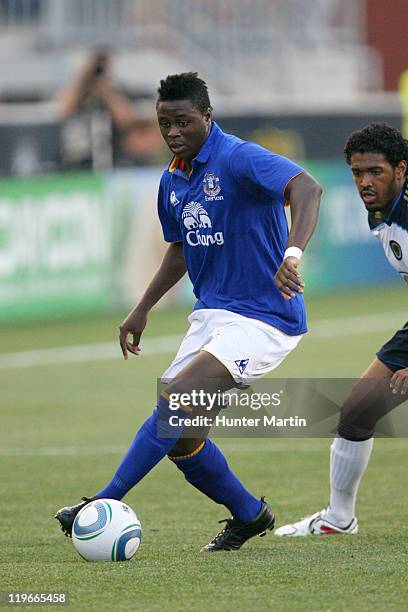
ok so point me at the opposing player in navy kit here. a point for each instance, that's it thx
(221, 205)
(377, 156)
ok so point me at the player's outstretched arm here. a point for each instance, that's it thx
(303, 194)
(172, 269)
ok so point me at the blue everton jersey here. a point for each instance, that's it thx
(229, 214)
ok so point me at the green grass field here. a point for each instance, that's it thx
(65, 426)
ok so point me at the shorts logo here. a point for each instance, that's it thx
(241, 365)
(212, 187)
(396, 249)
(195, 218)
(173, 199)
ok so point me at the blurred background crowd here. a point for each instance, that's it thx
(81, 153)
(79, 77)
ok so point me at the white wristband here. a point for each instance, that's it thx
(293, 252)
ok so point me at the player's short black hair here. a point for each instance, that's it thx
(185, 86)
(378, 138)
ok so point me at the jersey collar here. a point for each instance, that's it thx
(206, 149)
(176, 164)
(402, 193)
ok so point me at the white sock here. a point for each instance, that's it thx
(348, 462)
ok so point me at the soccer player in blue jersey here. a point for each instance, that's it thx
(221, 205)
(377, 156)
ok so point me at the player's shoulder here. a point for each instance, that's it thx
(246, 148)
(230, 142)
(224, 144)
(167, 175)
(400, 214)
(164, 184)
(248, 152)
(251, 157)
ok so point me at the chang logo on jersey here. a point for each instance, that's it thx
(173, 199)
(195, 218)
(212, 187)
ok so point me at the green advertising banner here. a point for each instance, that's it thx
(57, 246)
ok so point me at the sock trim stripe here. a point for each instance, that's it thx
(195, 452)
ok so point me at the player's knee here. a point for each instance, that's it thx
(355, 425)
(360, 413)
(351, 432)
(184, 447)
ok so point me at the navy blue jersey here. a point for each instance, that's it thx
(229, 214)
(393, 232)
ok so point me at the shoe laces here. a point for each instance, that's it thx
(229, 525)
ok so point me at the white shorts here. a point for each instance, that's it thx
(248, 348)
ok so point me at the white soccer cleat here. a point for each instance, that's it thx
(316, 524)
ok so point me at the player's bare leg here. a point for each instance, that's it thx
(350, 454)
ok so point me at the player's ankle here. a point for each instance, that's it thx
(339, 519)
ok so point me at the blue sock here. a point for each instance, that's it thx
(152, 442)
(208, 471)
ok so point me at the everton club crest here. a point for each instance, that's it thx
(211, 184)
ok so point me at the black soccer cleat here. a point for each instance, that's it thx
(66, 516)
(237, 532)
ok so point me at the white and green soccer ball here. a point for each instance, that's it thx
(106, 530)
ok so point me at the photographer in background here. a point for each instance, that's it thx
(101, 127)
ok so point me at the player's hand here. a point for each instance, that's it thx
(399, 381)
(288, 278)
(134, 325)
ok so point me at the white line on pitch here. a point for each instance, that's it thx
(100, 351)
(357, 325)
(319, 329)
(71, 451)
(283, 445)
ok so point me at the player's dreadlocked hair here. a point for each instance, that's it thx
(378, 138)
(185, 86)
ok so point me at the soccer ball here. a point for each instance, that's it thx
(106, 530)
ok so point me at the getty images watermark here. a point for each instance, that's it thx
(198, 400)
(278, 408)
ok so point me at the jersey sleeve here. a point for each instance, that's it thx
(170, 226)
(262, 172)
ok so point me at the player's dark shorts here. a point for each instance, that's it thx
(394, 353)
